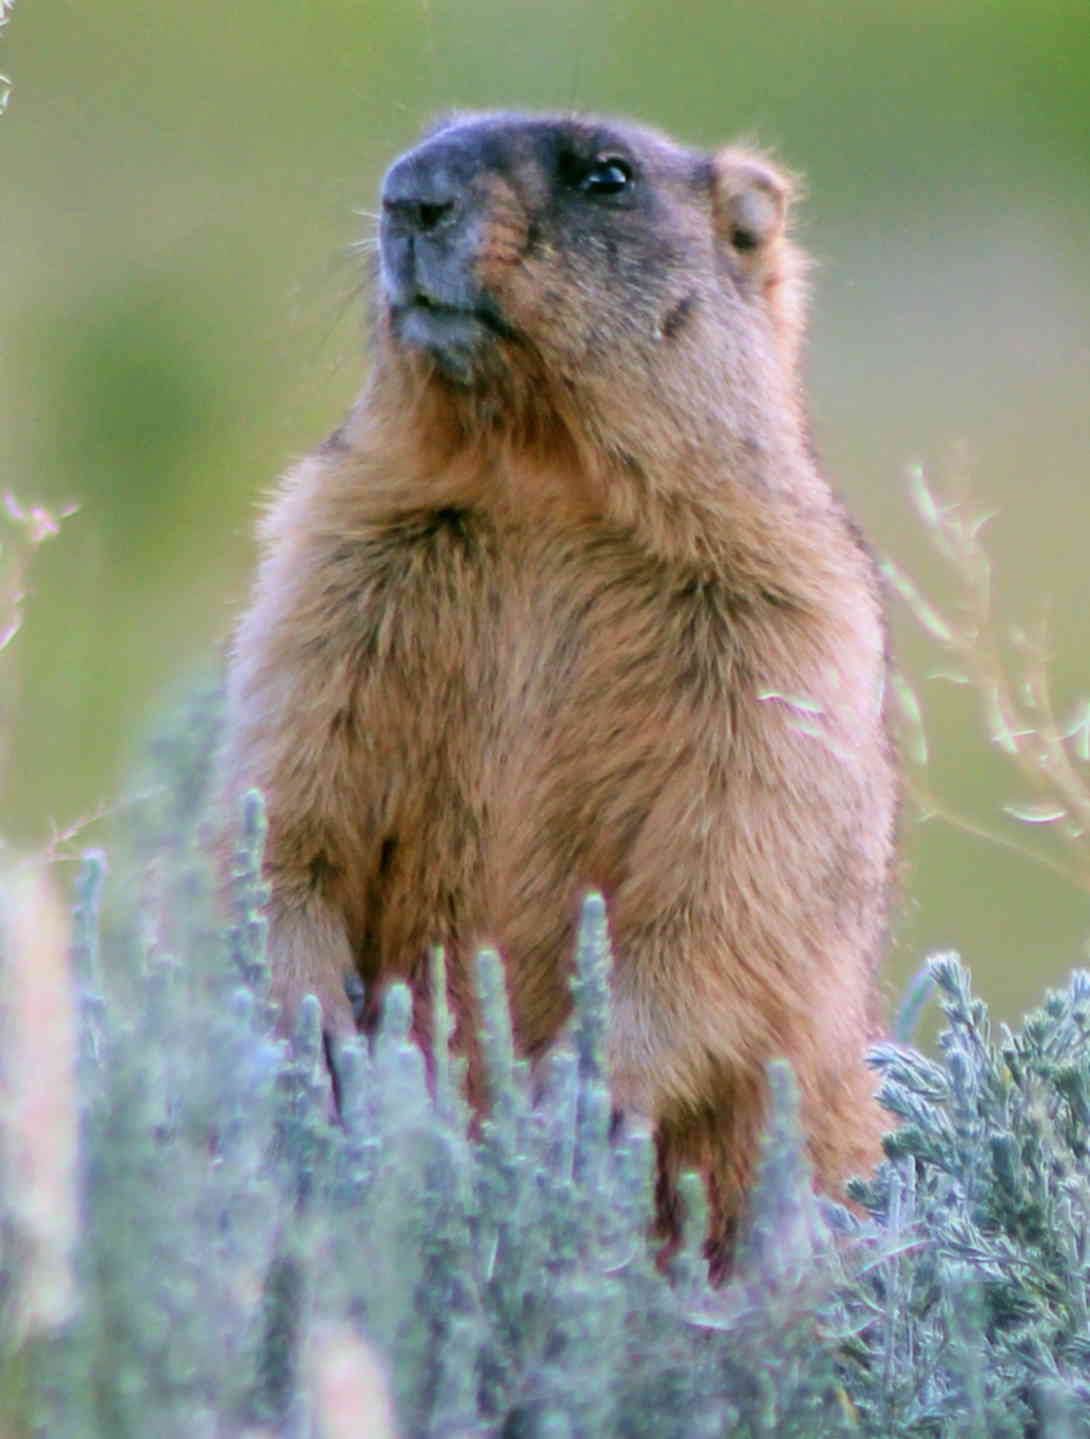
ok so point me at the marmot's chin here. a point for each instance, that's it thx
(456, 341)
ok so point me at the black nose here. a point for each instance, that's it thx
(421, 196)
(431, 227)
(422, 216)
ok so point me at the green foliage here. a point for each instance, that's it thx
(232, 1234)
(990, 1173)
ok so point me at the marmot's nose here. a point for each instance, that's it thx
(421, 195)
(431, 228)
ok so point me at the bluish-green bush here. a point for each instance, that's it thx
(232, 1235)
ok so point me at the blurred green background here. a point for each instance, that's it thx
(180, 318)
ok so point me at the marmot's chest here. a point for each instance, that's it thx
(565, 666)
(568, 606)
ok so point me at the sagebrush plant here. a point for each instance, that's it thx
(243, 1265)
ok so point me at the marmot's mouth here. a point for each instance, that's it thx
(452, 335)
(484, 311)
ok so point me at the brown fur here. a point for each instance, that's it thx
(580, 610)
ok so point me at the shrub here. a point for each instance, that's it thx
(242, 1265)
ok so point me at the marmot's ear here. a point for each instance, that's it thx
(751, 200)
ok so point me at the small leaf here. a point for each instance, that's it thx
(922, 497)
(1000, 731)
(925, 612)
(1078, 732)
(909, 706)
(1035, 813)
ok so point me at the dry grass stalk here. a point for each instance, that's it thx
(1050, 757)
(38, 1110)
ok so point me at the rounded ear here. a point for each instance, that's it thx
(751, 200)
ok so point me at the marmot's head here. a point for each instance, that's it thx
(591, 261)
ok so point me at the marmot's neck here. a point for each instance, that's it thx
(712, 499)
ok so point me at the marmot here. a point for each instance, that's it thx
(566, 603)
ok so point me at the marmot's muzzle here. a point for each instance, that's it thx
(432, 231)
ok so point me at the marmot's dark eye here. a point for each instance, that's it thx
(609, 175)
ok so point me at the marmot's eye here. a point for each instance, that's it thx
(609, 175)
